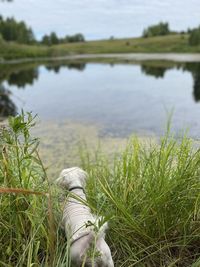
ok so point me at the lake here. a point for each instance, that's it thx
(78, 101)
(122, 99)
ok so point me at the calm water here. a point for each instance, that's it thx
(121, 99)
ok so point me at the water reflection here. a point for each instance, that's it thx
(115, 96)
(193, 68)
(23, 77)
(19, 74)
(56, 66)
(7, 107)
(157, 72)
(196, 93)
(24, 74)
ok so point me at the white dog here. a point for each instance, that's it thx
(79, 223)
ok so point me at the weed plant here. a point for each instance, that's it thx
(28, 235)
(150, 194)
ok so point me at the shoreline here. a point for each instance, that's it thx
(175, 57)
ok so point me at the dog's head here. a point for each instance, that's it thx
(72, 177)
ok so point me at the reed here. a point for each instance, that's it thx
(150, 194)
(28, 235)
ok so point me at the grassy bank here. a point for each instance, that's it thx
(177, 43)
(16, 51)
(150, 194)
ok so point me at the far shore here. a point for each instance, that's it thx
(176, 57)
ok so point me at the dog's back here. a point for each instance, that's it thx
(80, 224)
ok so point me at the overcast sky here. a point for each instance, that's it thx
(98, 19)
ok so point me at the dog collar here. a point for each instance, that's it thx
(76, 187)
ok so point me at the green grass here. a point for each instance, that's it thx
(28, 232)
(171, 43)
(150, 194)
(17, 51)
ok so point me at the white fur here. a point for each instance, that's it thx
(76, 215)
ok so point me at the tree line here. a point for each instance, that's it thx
(156, 30)
(12, 30)
(162, 29)
(194, 38)
(53, 39)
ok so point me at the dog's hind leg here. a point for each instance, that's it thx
(79, 249)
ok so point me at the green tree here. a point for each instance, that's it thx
(157, 30)
(51, 39)
(54, 39)
(79, 37)
(74, 38)
(46, 40)
(194, 37)
(11, 30)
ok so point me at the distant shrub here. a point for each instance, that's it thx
(53, 39)
(157, 30)
(74, 38)
(194, 37)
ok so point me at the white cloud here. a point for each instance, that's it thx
(102, 18)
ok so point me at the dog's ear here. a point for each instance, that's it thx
(60, 181)
(83, 177)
